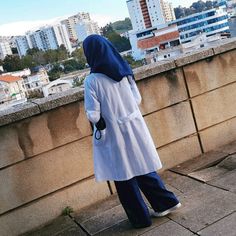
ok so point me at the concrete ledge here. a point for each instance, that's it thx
(153, 69)
(193, 57)
(60, 99)
(17, 113)
(225, 46)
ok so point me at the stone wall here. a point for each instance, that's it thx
(46, 162)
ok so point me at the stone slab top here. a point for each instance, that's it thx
(37, 106)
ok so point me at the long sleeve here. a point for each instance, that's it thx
(135, 90)
(92, 105)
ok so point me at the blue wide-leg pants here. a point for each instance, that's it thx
(154, 190)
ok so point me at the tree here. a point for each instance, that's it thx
(12, 63)
(122, 25)
(132, 62)
(79, 56)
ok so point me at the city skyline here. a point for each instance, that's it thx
(102, 11)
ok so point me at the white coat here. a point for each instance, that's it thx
(126, 148)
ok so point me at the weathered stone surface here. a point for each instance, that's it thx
(153, 69)
(45, 173)
(10, 148)
(200, 162)
(124, 228)
(224, 227)
(208, 174)
(18, 112)
(204, 206)
(182, 183)
(179, 152)
(162, 90)
(96, 209)
(40, 212)
(59, 99)
(169, 228)
(171, 124)
(219, 135)
(225, 46)
(226, 181)
(105, 220)
(229, 148)
(59, 226)
(229, 163)
(194, 57)
(208, 75)
(215, 106)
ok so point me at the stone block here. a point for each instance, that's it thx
(124, 228)
(205, 75)
(171, 124)
(45, 173)
(183, 184)
(42, 133)
(225, 226)
(10, 147)
(226, 181)
(153, 69)
(224, 46)
(215, 106)
(195, 56)
(59, 99)
(162, 90)
(169, 228)
(18, 112)
(40, 212)
(63, 225)
(229, 148)
(208, 174)
(228, 163)
(204, 206)
(180, 151)
(219, 135)
(203, 161)
(105, 220)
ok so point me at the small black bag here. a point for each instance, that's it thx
(100, 125)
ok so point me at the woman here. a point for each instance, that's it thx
(123, 149)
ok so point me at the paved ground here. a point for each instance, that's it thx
(206, 187)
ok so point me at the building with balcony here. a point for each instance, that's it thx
(145, 14)
(22, 45)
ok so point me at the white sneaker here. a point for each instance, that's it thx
(166, 212)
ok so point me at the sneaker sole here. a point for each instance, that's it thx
(164, 213)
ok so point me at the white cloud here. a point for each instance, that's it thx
(20, 27)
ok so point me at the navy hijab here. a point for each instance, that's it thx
(102, 57)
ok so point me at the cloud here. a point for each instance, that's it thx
(20, 27)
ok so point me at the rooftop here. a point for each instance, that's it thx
(9, 78)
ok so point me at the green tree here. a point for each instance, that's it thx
(79, 56)
(12, 63)
(122, 25)
(132, 62)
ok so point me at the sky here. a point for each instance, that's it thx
(19, 16)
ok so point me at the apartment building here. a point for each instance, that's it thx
(5, 49)
(168, 11)
(145, 14)
(71, 21)
(22, 45)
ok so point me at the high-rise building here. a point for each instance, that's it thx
(62, 36)
(5, 49)
(86, 28)
(71, 21)
(22, 45)
(145, 14)
(168, 10)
